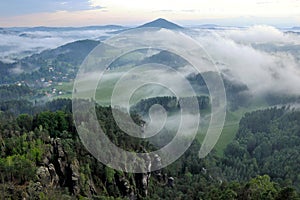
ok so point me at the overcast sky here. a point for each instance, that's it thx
(132, 12)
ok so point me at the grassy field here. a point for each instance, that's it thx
(228, 133)
(231, 125)
(229, 130)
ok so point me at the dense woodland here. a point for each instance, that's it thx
(170, 104)
(268, 142)
(42, 158)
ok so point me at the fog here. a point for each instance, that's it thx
(260, 34)
(263, 71)
(15, 45)
(265, 58)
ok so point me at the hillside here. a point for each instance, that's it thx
(56, 65)
(42, 157)
(161, 23)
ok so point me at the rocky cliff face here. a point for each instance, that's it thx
(57, 171)
(62, 171)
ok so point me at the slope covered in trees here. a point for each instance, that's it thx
(42, 158)
(267, 142)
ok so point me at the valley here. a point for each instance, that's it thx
(44, 156)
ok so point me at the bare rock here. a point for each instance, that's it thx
(74, 166)
(43, 175)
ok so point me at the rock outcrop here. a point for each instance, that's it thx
(59, 170)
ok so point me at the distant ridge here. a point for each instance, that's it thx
(161, 23)
(44, 28)
(158, 23)
(50, 29)
(296, 28)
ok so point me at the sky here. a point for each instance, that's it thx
(133, 12)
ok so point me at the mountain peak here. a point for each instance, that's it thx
(161, 23)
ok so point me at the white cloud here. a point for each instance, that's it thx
(234, 49)
(260, 34)
(18, 45)
(262, 71)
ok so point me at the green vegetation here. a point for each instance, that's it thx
(171, 104)
(267, 142)
(43, 158)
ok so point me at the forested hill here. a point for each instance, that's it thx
(170, 104)
(268, 142)
(61, 63)
(161, 23)
(72, 53)
(41, 157)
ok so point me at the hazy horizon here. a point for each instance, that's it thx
(185, 23)
(66, 13)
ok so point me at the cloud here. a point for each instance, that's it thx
(264, 58)
(157, 80)
(16, 45)
(263, 71)
(260, 34)
(16, 7)
(17, 70)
